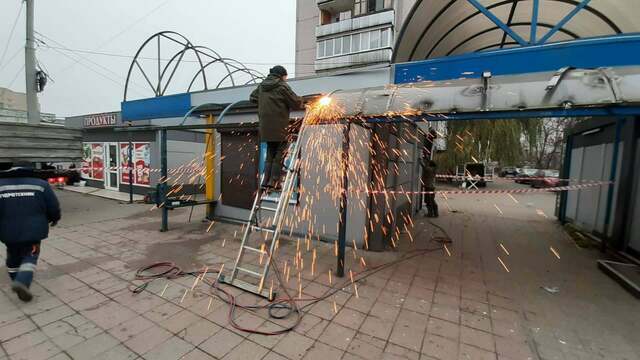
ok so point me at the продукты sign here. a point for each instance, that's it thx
(100, 120)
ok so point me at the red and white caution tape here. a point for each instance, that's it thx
(496, 191)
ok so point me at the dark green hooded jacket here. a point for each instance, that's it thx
(275, 100)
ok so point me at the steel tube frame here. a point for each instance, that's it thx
(612, 178)
(342, 230)
(162, 187)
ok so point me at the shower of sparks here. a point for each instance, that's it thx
(504, 249)
(503, 264)
(204, 273)
(184, 295)
(210, 226)
(219, 273)
(513, 198)
(209, 306)
(165, 289)
(271, 290)
(362, 262)
(497, 208)
(195, 282)
(446, 249)
(554, 252)
(330, 279)
(335, 307)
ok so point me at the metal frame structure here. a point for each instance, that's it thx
(205, 56)
(492, 11)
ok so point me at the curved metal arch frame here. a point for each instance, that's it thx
(232, 66)
(544, 25)
(444, 9)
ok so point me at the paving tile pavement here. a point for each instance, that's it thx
(455, 304)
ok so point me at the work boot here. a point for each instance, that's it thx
(22, 290)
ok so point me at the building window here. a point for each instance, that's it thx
(320, 49)
(385, 38)
(360, 7)
(349, 44)
(371, 5)
(328, 49)
(364, 41)
(374, 39)
(345, 15)
(355, 42)
(346, 44)
(338, 46)
(388, 4)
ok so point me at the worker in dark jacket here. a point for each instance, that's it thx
(27, 207)
(275, 101)
(429, 187)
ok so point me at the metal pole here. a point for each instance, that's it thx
(130, 166)
(612, 179)
(163, 180)
(33, 112)
(342, 230)
(209, 162)
(565, 174)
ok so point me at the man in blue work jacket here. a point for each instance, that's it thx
(27, 207)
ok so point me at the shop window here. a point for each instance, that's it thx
(141, 161)
(93, 161)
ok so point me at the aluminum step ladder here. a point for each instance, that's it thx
(272, 229)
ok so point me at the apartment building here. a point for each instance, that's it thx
(337, 35)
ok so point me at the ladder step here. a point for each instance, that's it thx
(267, 208)
(260, 228)
(250, 272)
(265, 293)
(254, 249)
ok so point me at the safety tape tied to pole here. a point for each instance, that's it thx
(496, 191)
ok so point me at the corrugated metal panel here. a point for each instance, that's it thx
(39, 143)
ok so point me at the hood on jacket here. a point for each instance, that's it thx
(270, 82)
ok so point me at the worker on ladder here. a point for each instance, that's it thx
(275, 101)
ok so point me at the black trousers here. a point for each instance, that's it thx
(21, 261)
(274, 162)
(430, 199)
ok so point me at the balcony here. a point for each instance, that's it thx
(386, 17)
(370, 57)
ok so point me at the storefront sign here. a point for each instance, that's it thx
(100, 120)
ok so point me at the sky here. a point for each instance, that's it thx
(258, 33)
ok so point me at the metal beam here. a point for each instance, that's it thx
(564, 21)
(498, 22)
(612, 183)
(534, 22)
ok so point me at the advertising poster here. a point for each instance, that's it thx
(124, 164)
(97, 161)
(86, 161)
(142, 158)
